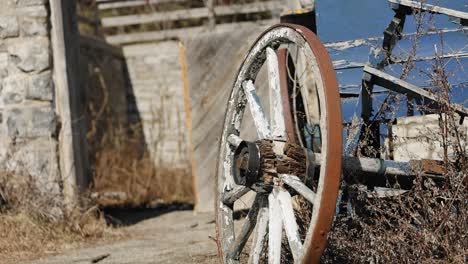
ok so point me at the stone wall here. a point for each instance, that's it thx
(420, 137)
(28, 120)
(157, 86)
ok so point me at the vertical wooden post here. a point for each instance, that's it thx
(96, 20)
(65, 51)
(212, 16)
(188, 117)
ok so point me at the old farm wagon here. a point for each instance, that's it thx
(296, 159)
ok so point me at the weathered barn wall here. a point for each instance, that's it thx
(28, 122)
(213, 60)
(156, 81)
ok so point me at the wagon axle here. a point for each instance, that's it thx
(259, 166)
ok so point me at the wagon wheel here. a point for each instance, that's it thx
(294, 164)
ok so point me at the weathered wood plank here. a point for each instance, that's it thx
(72, 148)
(295, 183)
(278, 129)
(260, 121)
(290, 224)
(106, 5)
(194, 13)
(235, 194)
(210, 5)
(155, 17)
(259, 236)
(397, 85)
(460, 15)
(177, 33)
(247, 227)
(275, 228)
(210, 81)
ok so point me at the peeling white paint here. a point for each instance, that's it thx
(295, 183)
(259, 236)
(258, 115)
(342, 45)
(290, 224)
(278, 129)
(234, 140)
(275, 229)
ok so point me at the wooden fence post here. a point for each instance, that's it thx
(212, 16)
(65, 49)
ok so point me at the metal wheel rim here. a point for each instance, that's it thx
(323, 212)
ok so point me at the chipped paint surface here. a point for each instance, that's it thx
(295, 183)
(229, 197)
(229, 180)
(275, 229)
(343, 45)
(234, 140)
(290, 224)
(260, 121)
(259, 236)
(278, 129)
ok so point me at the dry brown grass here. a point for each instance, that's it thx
(125, 177)
(124, 171)
(33, 225)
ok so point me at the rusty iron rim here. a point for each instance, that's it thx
(327, 204)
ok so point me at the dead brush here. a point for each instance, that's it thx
(427, 224)
(34, 223)
(125, 177)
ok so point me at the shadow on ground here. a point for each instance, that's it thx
(127, 216)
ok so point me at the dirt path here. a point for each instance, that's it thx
(174, 237)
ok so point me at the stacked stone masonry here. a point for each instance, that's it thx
(28, 119)
(157, 86)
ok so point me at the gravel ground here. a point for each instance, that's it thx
(172, 237)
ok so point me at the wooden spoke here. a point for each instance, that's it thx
(295, 183)
(234, 140)
(290, 224)
(274, 229)
(247, 227)
(278, 129)
(229, 197)
(259, 236)
(260, 121)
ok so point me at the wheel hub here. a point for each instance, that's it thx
(258, 164)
